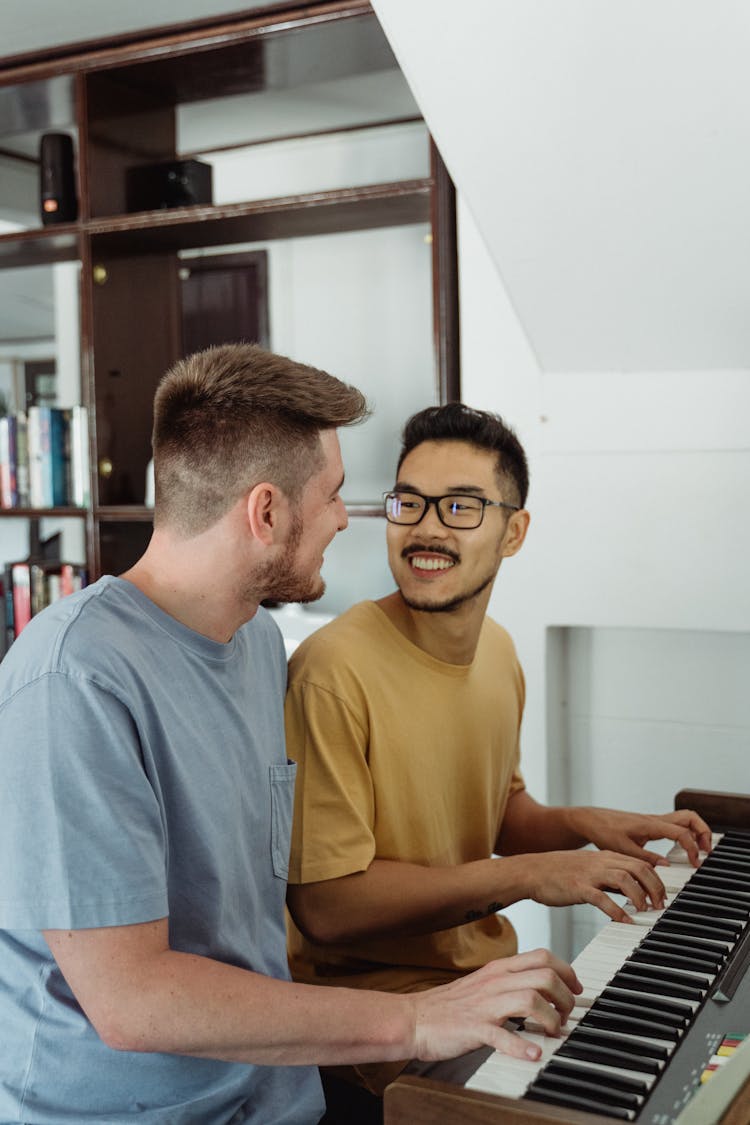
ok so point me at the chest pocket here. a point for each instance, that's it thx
(282, 807)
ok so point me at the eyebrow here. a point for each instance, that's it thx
(460, 489)
(339, 486)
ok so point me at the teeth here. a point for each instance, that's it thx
(431, 564)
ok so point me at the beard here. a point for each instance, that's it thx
(452, 604)
(282, 580)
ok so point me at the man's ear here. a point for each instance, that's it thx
(515, 532)
(266, 505)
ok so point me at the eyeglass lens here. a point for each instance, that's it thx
(455, 511)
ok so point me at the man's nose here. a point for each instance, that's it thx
(342, 514)
(432, 519)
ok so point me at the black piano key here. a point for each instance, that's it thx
(648, 955)
(667, 932)
(723, 906)
(659, 961)
(724, 927)
(557, 1065)
(684, 955)
(719, 926)
(631, 978)
(659, 1003)
(644, 968)
(641, 1010)
(738, 887)
(558, 1098)
(729, 863)
(610, 1056)
(587, 1088)
(625, 1041)
(690, 929)
(713, 907)
(629, 1025)
(687, 946)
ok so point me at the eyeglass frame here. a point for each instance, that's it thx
(430, 500)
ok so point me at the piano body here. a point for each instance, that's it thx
(660, 997)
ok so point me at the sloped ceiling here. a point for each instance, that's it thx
(604, 151)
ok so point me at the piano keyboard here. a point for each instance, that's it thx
(645, 984)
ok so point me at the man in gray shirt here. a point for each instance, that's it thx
(146, 799)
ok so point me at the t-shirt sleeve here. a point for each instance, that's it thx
(334, 804)
(80, 826)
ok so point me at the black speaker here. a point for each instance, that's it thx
(174, 183)
(57, 181)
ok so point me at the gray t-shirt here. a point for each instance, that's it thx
(143, 773)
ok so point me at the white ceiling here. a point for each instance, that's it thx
(604, 150)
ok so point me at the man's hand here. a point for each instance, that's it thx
(469, 1012)
(568, 877)
(628, 832)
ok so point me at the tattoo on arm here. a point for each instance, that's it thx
(475, 915)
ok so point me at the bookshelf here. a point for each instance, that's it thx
(134, 101)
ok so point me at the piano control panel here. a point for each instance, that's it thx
(661, 996)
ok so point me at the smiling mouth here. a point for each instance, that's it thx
(419, 562)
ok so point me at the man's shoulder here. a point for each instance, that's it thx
(354, 632)
(78, 635)
(495, 640)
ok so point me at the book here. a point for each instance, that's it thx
(34, 446)
(21, 582)
(22, 462)
(8, 486)
(8, 621)
(51, 458)
(79, 457)
(57, 470)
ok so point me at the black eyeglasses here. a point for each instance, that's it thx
(453, 510)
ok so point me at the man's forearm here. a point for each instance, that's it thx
(528, 826)
(140, 995)
(155, 999)
(407, 898)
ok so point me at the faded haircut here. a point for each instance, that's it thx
(456, 422)
(227, 418)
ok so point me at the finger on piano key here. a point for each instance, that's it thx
(511, 1074)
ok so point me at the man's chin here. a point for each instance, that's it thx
(303, 596)
(423, 606)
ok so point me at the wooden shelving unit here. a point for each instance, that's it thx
(127, 95)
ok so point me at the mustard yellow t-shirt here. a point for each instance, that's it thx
(401, 757)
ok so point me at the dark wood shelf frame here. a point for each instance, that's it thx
(43, 513)
(126, 93)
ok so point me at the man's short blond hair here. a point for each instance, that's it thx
(230, 417)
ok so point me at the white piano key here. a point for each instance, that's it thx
(595, 966)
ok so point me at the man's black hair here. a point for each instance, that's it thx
(456, 422)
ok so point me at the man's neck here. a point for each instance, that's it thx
(451, 636)
(187, 581)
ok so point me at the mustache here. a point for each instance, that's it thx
(419, 548)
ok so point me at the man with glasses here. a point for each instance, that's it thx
(403, 716)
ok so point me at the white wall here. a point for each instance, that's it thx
(603, 314)
(640, 539)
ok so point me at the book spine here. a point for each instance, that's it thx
(59, 454)
(3, 634)
(5, 501)
(79, 457)
(45, 455)
(22, 462)
(38, 588)
(21, 579)
(9, 618)
(34, 445)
